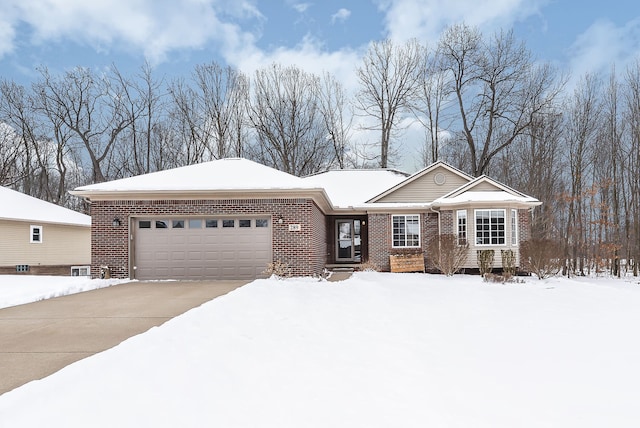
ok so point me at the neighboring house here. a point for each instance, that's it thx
(38, 237)
(229, 218)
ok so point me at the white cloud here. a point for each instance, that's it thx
(7, 35)
(341, 15)
(155, 27)
(309, 55)
(604, 44)
(425, 19)
(301, 7)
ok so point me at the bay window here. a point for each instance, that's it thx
(490, 227)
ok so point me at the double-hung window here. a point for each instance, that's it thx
(35, 234)
(462, 226)
(406, 230)
(490, 227)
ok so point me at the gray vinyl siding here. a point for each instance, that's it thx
(61, 244)
(424, 189)
(485, 187)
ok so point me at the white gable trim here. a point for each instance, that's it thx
(483, 179)
(419, 174)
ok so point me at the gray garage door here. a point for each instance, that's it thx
(202, 248)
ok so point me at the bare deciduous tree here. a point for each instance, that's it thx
(286, 117)
(498, 88)
(9, 151)
(430, 105)
(210, 111)
(91, 106)
(389, 79)
(632, 154)
(333, 105)
(583, 121)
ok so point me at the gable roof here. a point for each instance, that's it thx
(18, 206)
(418, 175)
(336, 189)
(502, 193)
(222, 178)
(221, 174)
(349, 187)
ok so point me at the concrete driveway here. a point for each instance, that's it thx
(38, 339)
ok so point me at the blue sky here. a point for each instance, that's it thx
(316, 35)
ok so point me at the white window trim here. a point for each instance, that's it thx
(405, 219)
(514, 227)
(31, 240)
(459, 214)
(475, 227)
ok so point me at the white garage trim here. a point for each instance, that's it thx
(203, 247)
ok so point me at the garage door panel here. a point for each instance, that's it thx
(203, 253)
(195, 240)
(195, 272)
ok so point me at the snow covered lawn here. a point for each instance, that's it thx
(377, 350)
(20, 289)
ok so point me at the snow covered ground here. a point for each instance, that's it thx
(20, 289)
(377, 350)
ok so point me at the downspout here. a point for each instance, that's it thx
(437, 212)
(439, 227)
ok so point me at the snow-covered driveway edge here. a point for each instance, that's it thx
(20, 289)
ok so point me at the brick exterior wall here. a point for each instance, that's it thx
(380, 239)
(54, 270)
(524, 226)
(110, 245)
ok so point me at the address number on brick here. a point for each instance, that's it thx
(295, 228)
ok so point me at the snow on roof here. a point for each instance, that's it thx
(222, 174)
(485, 196)
(18, 206)
(352, 187)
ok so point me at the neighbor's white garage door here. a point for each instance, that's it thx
(202, 248)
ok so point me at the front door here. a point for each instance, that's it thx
(348, 242)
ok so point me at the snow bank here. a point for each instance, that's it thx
(377, 350)
(20, 289)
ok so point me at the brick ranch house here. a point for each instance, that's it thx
(229, 218)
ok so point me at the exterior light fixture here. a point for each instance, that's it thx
(280, 220)
(116, 222)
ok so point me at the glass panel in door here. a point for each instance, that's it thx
(357, 245)
(345, 240)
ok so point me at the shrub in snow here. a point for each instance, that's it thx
(485, 261)
(508, 263)
(447, 255)
(369, 266)
(278, 269)
(539, 256)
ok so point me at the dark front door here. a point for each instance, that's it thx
(348, 241)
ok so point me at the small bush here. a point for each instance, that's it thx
(447, 255)
(501, 279)
(508, 263)
(540, 256)
(485, 261)
(368, 266)
(279, 269)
